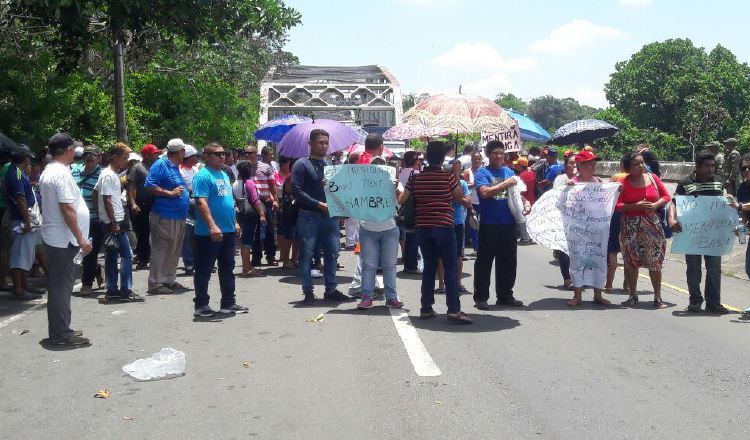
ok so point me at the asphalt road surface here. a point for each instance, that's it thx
(543, 371)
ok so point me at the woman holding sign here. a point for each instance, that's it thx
(586, 164)
(642, 234)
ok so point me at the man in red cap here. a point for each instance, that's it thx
(140, 204)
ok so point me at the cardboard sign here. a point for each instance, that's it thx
(364, 192)
(511, 138)
(707, 226)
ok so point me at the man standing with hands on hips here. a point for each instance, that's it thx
(65, 230)
(216, 230)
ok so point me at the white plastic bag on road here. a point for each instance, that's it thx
(164, 364)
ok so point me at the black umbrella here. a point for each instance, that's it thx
(582, 132)
(7, 144)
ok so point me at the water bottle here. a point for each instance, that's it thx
(78, 259)
(741, 231)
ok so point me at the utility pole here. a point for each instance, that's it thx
(121, 128)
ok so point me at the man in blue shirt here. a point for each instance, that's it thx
(24, 221)
(315, 229)
(167, 220)
(497, 231)
(554, 170)
(216, 230)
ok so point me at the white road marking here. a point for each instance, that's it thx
(43, 302)
(420, 359)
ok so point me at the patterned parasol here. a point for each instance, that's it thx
(460, 114)
(412, 131)
(582, 132)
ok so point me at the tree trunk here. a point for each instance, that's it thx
(121, 128)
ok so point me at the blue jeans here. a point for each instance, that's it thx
(268, 244)
(126, 264)
(187, 247)
(379, 249)
(439, 244)
(317, 231)
(212, 252)
(411, 251)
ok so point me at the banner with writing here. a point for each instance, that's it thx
(511, 138)
(707, 226)
(364, 192)
(575, 219)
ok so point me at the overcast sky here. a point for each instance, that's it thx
(528, 48)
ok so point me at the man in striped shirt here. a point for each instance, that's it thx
(702, 182)
(265, 183)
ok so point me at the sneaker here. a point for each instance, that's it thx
(309, 300)
(365, 304)
(482, 305)
(510, 302)
(85, 291)
(132, 297)
(336, 296)
(354, 293)
(72, 340)
(236, 308)
(315, 273)
(203, 312)
(394, 304)
(717, 309)
(114, 296)
(694, 308)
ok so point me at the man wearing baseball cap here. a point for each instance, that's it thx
(188, 170)
(140, 205)
(65, 231)
(167, 221)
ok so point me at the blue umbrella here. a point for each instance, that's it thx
(276, 128)
(582, 132)
(530, 130)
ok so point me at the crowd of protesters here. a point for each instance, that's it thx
(205, 205)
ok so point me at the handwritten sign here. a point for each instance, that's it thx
(575, 220)
(510, 138)
(364, 192)
(707, 226)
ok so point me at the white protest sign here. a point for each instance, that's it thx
(545, 224)
(510, 138)
(707, 226)
(364, 192)
(586, 211)
(575, 220)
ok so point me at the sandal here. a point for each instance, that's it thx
(439, 291)
(659, 303)
(601, 301)
(633, 300)
(459, 318)
(177, 286)
(427, 315)
(574, 302)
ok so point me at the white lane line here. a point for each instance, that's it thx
(43, 302)
(421, 360)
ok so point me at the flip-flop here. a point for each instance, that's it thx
(459, 318)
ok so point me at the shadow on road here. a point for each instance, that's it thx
(10, 307)
(378, 310)
(686, 314)
(44, 343)
(319, 303)
(482, 324)
(316, 281)
(562, 304)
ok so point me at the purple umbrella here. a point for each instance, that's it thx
(294, 144)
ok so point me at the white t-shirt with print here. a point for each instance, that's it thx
(109, 185)
(56, 186)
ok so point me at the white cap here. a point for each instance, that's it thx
(175, 144)
(78, 152)
(190, 151)
(134, 156)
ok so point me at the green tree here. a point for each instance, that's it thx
(664, 145)
(552, 113)
(510, 101)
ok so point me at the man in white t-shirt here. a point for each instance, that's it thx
(379, 243)
(65, 230)
(112, 215)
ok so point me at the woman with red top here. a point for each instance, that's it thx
(642, 235)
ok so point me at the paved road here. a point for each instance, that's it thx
(544, 371)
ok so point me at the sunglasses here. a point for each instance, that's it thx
(217, 153)
(745, 168)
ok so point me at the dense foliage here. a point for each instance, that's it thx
(192, 68)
